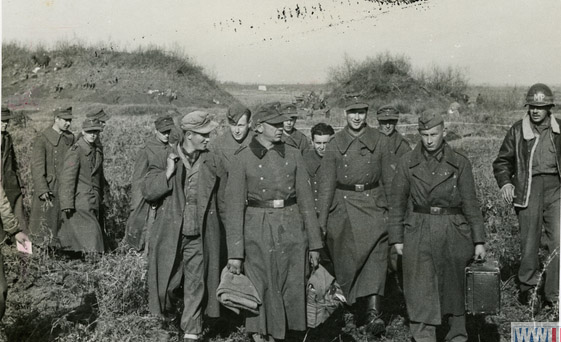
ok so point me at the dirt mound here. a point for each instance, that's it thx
(104, 75)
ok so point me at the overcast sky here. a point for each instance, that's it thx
(495, 41)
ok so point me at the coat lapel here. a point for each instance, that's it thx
(416, 165)
(52, 136)
(446, 168)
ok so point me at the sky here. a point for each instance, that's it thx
(512, 42)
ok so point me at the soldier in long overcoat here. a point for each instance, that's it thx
(437, 233)
(183, 184)
(271, 226)
(223, 149)
(155, 151)
(80, 193)
(10, 173)
(352, 206)
(47, 161)
(387, 117)
(291, 136)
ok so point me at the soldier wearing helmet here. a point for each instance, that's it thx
(527, 170)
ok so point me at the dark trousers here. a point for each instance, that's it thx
(191, 271)
(543, 211)
(422, 332)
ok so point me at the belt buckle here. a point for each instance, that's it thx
(359, 187)
(435, 210)
(278, 204)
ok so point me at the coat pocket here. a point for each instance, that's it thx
(462, 226)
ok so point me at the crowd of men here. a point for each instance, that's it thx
(261, 201)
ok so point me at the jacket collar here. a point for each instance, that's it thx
(527, 131)
(448, 156)
(312, 161)
(369, 139)
(52, 136)
(260, 151)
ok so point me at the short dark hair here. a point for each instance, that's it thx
(322, 129)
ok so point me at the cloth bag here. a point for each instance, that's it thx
(236, 292)
(323, 297)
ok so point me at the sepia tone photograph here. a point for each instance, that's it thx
(260, 171)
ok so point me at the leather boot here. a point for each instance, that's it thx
(373, 323)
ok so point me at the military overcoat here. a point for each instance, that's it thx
(397, 146)
(138, 225)
(436, 248)
(274, 242)
(297, 140)
(80, 190)
(356, 220)
(313, 163)
(47, 161)
(10, 175)
(165, 236)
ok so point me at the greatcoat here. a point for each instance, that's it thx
(165, 237)
(80, 190)
(297, 140)
(10, 179)
(47, 162)
(139, 222)
(355, 221)
(436, 248)
(313, 163)
(274, 242)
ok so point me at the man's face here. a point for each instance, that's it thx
(240, 129)
(432, 138)
(4, 126)
(199, 141)
(538, 114)
(63, 124)
(288, 125)
(320, 143)
(90, 136)
(272, 132)
(387, 127)
(356, 118)
(163, 136)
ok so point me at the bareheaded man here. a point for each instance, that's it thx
(527, 171)
(436, 225)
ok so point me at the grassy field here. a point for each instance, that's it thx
(105, 298)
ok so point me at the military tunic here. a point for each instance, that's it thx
(80, 184)
(397, 146)
(436, 248)
(296, 139)
(355, 220)
(313, 163)
(141, 217)
(47, 163)
(273, 242)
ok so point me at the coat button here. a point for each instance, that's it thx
(261, 178)
(260, 166)
(345, 197)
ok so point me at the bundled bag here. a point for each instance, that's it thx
(323, 297)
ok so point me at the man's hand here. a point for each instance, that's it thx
(399, 248)
(47, 196)
(21, 237)
(171, 164)
(314, 259)
(480, 252)
(507, 192)
(235, 266)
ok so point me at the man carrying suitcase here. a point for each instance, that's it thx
(438, 234)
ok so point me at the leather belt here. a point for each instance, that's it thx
(437, 210)
(275, 204)
(357, 187)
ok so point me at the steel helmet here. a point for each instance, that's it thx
(539, 95)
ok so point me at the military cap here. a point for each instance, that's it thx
(6, 113)
(430, 119)
(269, 113)
(100, 115)
(199, 122)
(289, 109)
(164, 123)
(91, 124)
(387, 113)
(354, 102)
(235, 112)
(64, 113)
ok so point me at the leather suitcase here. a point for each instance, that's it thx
(483, 288)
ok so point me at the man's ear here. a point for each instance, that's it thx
(444, 132)
(259, 128)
